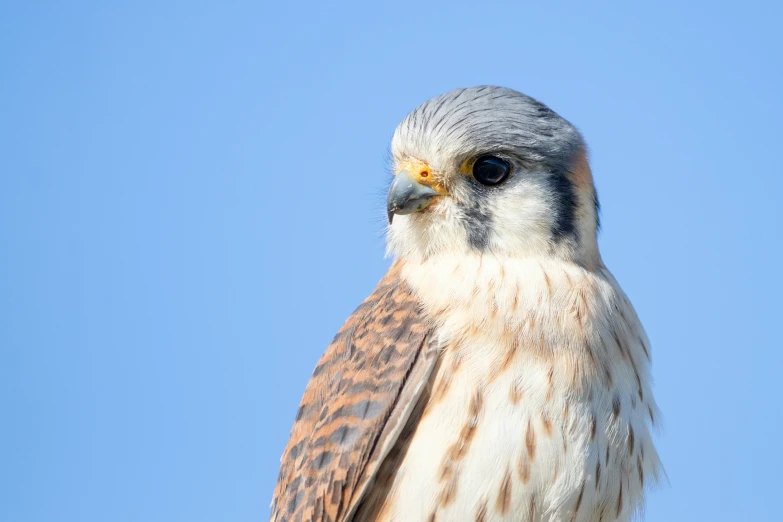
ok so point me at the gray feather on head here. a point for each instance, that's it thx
(485, 119)
(546, 202)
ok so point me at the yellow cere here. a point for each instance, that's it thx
(423, 174)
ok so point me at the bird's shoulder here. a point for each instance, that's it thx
(360, 395)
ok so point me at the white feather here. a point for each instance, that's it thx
(482, 307)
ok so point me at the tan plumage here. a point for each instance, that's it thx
(360, 396)
(498, 372)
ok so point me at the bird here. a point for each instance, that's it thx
(498, 372)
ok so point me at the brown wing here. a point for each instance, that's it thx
(361, 394)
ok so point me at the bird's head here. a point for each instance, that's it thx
(490, 170)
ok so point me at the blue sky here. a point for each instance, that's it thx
(175, 254)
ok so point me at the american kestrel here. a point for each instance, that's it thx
(498, 371)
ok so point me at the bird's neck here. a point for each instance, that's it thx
(549, 308)
(512, 284)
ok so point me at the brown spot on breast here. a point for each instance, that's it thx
(458, 450)
(475, 404)
(640, 468)
(444, 377)
(615, 408)
(446, 470)
(578, 502)
(547, 282)
(619, 343)
(530, 440)
(639, 384)
(589, 352)
(607, 374)
(549, 378)
(531, 508)
(440, 388)
(631, 440)
(508, 356)
(504, 494)
(593, 426)
(514, 393)
(597, 473)
(481, 512)
(652, 417)
(620, 500)
(524, 468)
(580, 307)
(449, 492)
(547, 424)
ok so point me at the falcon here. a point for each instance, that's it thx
(498, 372)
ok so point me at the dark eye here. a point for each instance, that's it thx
(490, 170)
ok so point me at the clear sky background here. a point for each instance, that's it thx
(192, 202)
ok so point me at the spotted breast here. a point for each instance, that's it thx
(540, 406)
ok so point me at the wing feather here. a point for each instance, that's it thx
(358, 400)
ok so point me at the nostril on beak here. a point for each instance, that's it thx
(406, 195)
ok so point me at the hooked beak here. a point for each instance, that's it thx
(406, 195)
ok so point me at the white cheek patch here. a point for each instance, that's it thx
(522, 217)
